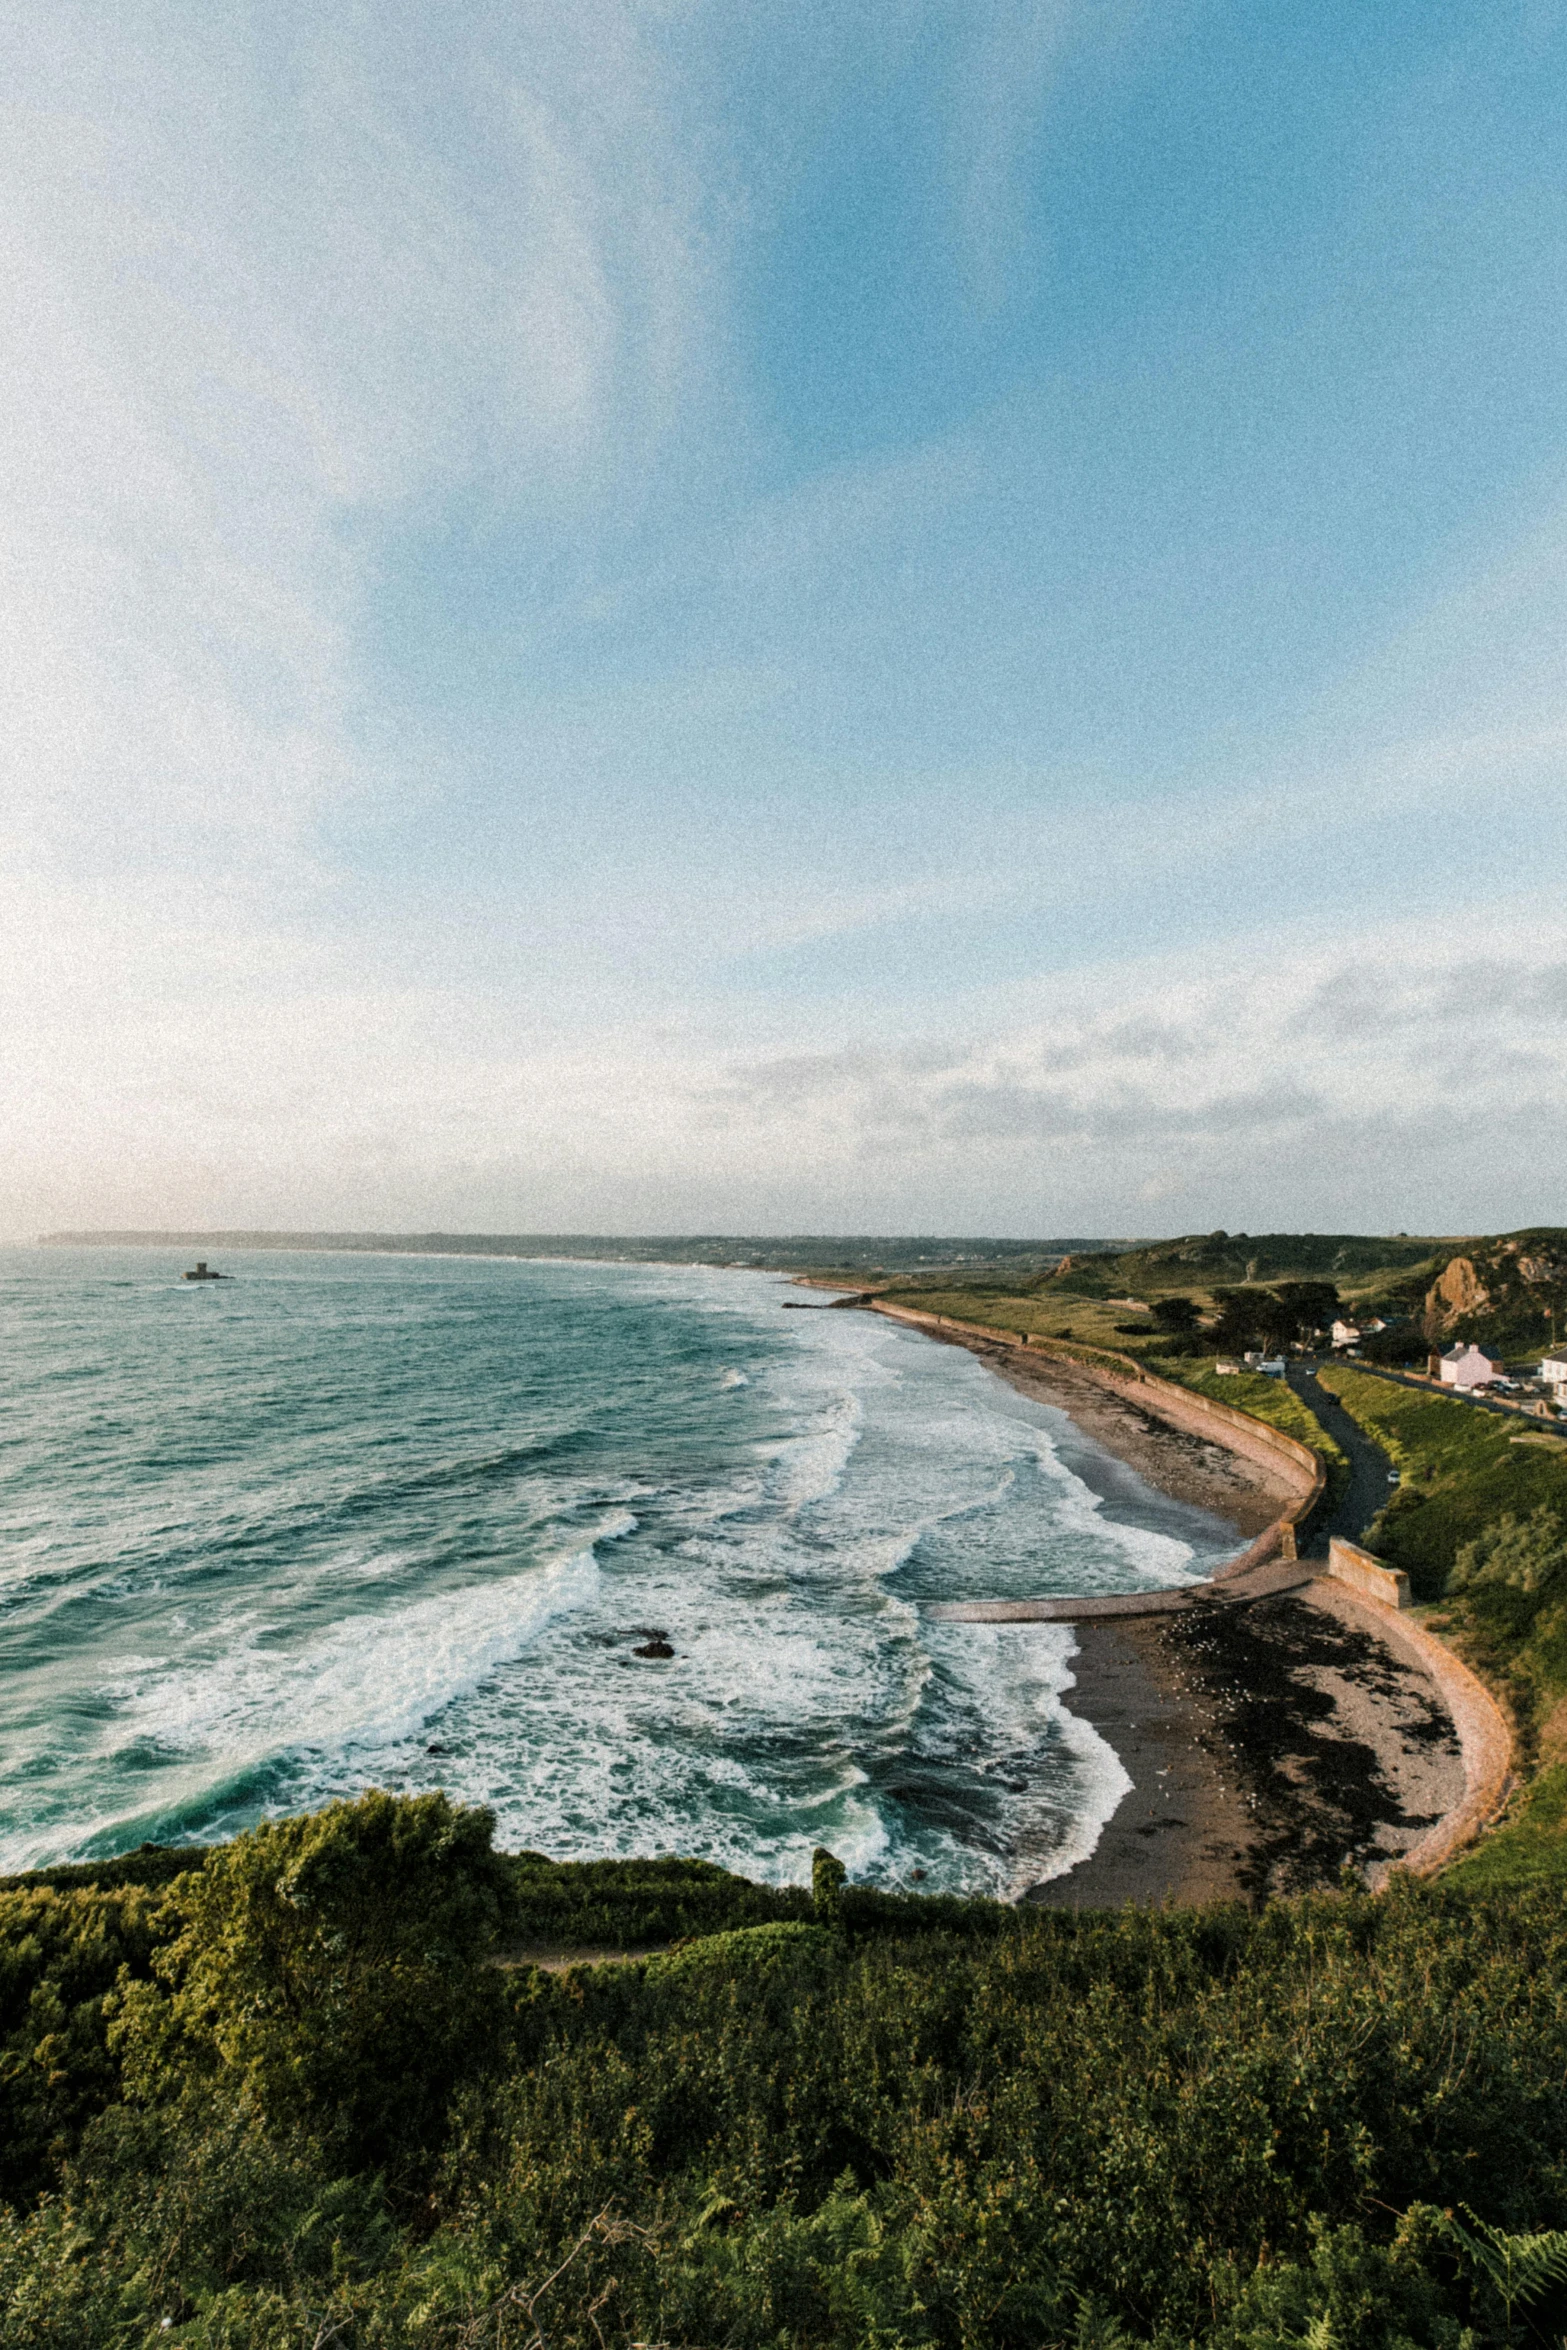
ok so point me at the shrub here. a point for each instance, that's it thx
(332, 1973)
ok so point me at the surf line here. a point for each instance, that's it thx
(1268, 1567)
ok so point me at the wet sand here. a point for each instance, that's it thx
(1270, 1746)
(1188, 1468)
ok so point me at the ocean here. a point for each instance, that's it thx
(344, 1521)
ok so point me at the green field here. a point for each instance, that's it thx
(1461, 1467)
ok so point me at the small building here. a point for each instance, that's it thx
(1468, 1366)
(1553, 1371)
(1226, 1368)
(1345, 1333)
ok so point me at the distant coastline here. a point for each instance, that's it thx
(861, 1253)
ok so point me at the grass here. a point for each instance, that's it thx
(1086, 1321)
(1269, 1400)
(1461, 1470)
(1529, 1848)
(1088, 1325)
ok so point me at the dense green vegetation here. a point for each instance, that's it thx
(288, 2099)
(1480, 1523)
(1462, 1470)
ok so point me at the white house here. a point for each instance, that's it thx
(1554, 1373)
(1469, 1366)
(1351, 1333)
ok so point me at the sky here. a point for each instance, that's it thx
(783, 618)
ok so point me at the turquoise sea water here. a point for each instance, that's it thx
(353, 1520)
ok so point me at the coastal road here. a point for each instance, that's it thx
(1368, 1487)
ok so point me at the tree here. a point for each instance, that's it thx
(1175, 1313)
(1313, 1303)
(333, 1972)
(1250, 1318)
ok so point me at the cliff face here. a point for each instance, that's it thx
(1501, 1294)
(1456, 1291)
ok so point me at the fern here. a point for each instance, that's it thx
(1519, 2269)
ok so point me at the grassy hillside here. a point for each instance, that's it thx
(1480, 1523)
(1117, 1299)
(1260, 1398)
(1355, 1262)
(289, 2100)
(1508, 1290)
(1462, 1469)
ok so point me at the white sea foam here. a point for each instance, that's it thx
(366, 1683)
(812, 1465)
(346, 1603)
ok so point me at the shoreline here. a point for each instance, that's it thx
(1268, 1745)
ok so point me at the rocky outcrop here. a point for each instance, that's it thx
(1457, 1290)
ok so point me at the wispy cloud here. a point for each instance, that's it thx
(470, 754)
(266, 297)
(292, 1088)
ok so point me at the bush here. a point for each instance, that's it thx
(620, 1904)
(934, 2126)
(331, 1974)
(61, 1957)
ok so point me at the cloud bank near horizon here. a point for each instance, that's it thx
(657, 618)
(1426, 1087)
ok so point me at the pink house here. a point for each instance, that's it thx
(1469, 1366)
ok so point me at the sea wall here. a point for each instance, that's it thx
(1348, 1563)
(1301, 1471)
(1485, 1736)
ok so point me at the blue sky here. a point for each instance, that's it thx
(712, 617)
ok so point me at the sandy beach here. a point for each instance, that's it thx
(1269, 1746)
(1188, 1468)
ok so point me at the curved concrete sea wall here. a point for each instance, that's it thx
(1375, 1591)
(1300, 1470)
(1485, 1737)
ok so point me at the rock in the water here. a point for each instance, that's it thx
(658, 1647)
